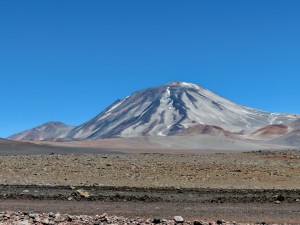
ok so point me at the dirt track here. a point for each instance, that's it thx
(239, 212)
(206, 204)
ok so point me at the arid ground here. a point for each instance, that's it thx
(254, 170)
(242, 186)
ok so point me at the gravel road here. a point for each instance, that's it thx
(280, 206)
(285, 213)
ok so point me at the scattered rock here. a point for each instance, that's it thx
(32, 215)
(69, 218)
(25, 222)
(103, 217)
(178, 219)
(37, 220)
(156, 220)
(83, 193)
(6, 215)
(164, 221)
(45, 221)
(23, 218)
(280, 198)
(58, 218)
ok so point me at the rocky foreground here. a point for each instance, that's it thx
(29, 218)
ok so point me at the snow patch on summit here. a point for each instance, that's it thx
(190, 85)
(184, 84)
(168, 91)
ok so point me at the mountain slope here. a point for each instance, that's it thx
(295, 125)
(47, 131)
(290, 139)
(166, 110)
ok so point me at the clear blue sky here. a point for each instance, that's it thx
(63, 60)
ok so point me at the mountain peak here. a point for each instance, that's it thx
(53, 123)
(184, 84)
(49, 130)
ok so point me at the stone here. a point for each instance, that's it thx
(24, 222)
(59, 218)
(69, 218)
(37, 220)
(277, 202)
(103, 215)
(280, 198)
(178, 219)
(45, 221)
(7, 215)
(32, 215)
(156, 220)
(83, 193)
(196, 222)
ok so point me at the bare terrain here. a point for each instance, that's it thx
(252, 170)
(123, 179)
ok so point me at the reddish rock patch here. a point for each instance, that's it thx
(271, 130)
(207, 129)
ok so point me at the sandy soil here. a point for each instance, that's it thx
(183, 144)
(254, 170)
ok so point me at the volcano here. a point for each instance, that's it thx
(163, 111)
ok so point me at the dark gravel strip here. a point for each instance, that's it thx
(149, 194)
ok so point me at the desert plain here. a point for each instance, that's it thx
(142, 184)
